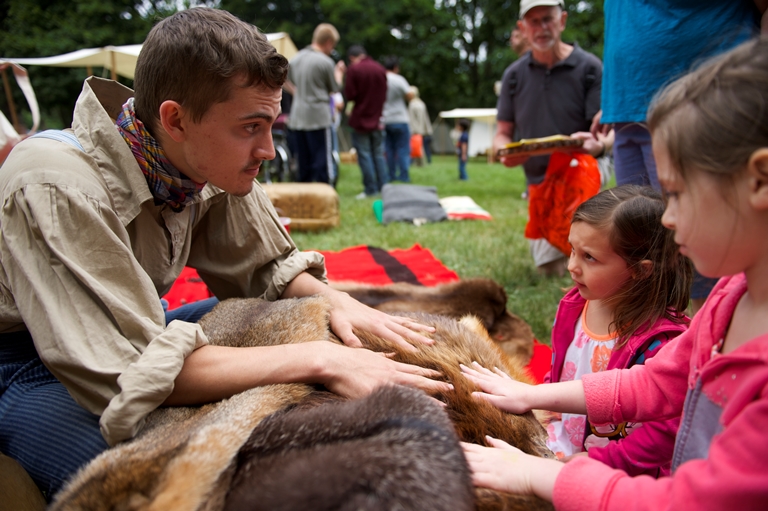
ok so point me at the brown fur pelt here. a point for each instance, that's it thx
(483, 298)
(293, 446)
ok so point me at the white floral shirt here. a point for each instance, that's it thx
(588, 353)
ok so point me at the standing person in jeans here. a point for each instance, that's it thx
(636, 68)
(462, 148)
(396, 119)
(366, 86)
(420, 124)
(314, 78)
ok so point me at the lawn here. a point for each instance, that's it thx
(495, 249)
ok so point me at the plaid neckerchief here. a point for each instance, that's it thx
(167, 184)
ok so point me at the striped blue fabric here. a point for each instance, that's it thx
(61, 136)
(41, 426)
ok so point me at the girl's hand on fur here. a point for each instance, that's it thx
(348, 314)
(508, 469)
(498, 388)
(356, 373)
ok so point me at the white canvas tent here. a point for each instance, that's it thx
(121, 60)
(482, 130)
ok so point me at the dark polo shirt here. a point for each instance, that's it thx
(557, 101)
(366, 85)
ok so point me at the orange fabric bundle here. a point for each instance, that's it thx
(417, 146)
(552, 202)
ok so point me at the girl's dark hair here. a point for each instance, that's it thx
(631, 217)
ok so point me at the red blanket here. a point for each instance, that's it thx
(376, 266)
(367, 265)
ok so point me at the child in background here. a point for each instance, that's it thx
(462, 148)
(710, 140)
(631, 288)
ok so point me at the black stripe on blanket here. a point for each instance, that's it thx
(396, 271)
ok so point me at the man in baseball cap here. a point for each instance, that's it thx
(527, 5)
(552, 89)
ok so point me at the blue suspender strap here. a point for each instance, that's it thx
(61, 136)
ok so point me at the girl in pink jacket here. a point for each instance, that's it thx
(631, 286)
(710, 141)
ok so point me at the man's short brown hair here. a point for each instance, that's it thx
(325, 32)
(191, 58)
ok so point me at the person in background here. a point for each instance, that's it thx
(637, 67)
(552, 89)
(366, 87)
(462, 148)
(337, 111)
(420, 124)
(314, 77)
(395, 118)
(518, 42)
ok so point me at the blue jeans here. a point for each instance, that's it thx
(427, 147)
(398, 145)
(633, 157)
(315, 156)
(462, 170)
(370, 156)
(41, 426)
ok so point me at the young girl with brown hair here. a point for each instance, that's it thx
(631, 286)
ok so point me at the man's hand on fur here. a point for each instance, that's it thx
(508, 469)
(348, 314)
(498, 388)
(356, 373)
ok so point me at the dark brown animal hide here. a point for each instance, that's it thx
(294, 446)
(483, 298)
(392, 450)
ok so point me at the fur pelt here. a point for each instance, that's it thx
(294, 446)
(483, 298)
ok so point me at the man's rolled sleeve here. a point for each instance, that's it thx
(296, 263)
(146, 383)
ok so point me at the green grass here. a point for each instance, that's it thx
(495, 249)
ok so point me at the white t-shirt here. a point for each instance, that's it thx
(395, 110)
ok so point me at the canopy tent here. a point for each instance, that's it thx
(121, 60)
(283, 44)
(482, 130)
(481, 114)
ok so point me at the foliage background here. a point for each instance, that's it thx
(453, 50)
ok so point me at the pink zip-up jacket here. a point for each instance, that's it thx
(648, 449)
(721, 453)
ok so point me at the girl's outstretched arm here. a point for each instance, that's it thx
(508, 469)
(518, 397)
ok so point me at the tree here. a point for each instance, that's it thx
(453, 50)
(41, 28)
